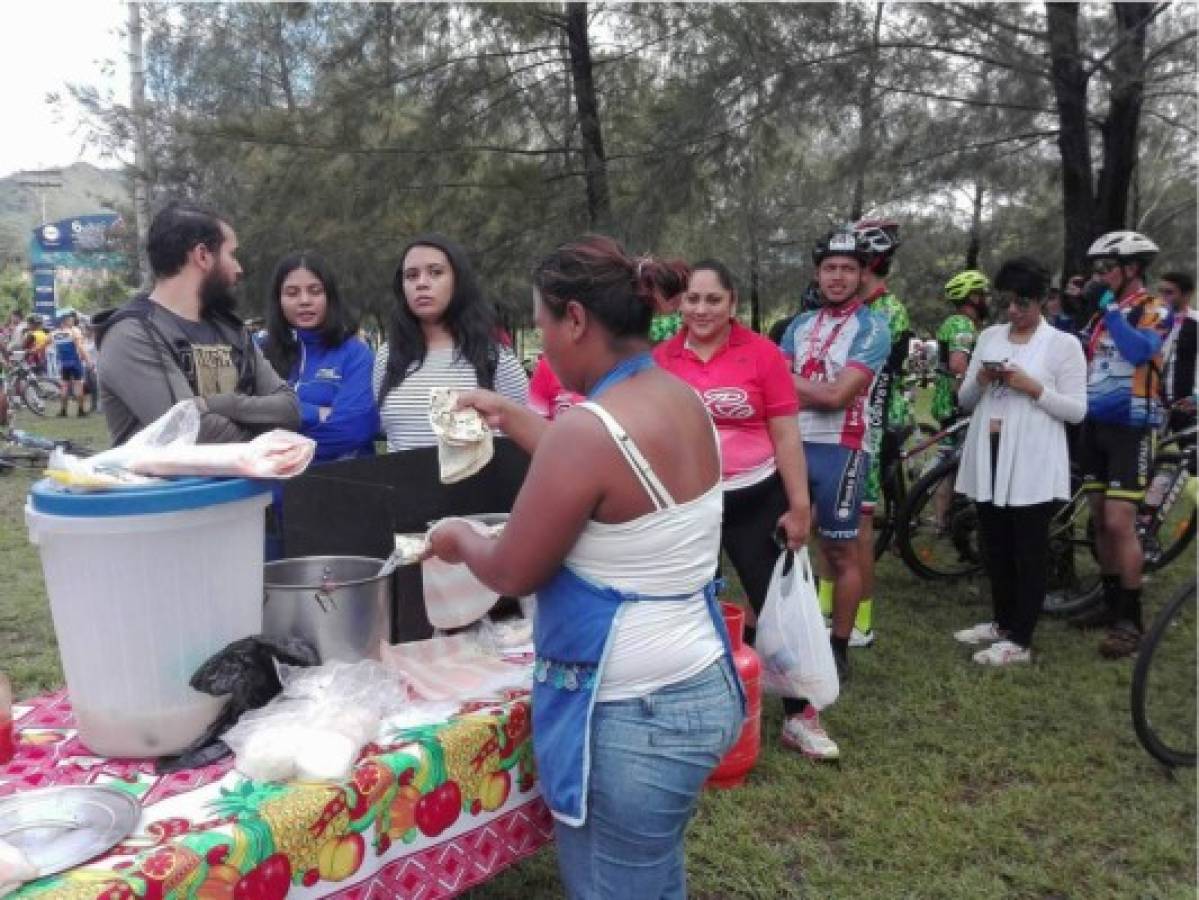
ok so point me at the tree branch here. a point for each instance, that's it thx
(980, 145)
(1101, 62)
(1039, 71)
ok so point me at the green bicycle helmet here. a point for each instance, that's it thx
(963, 284)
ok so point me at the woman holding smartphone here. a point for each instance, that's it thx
(1025, 381)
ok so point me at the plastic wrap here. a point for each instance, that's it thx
(15, 868)
(455, 667)
(275, 454)
(319, 722)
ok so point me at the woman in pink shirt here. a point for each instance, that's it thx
(744, 382)
(547, 397)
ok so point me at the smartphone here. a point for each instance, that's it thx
(994, 365)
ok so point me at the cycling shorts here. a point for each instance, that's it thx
(70, 373)
(835, 482)
(1115, 459)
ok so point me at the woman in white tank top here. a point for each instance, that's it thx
(617, 530)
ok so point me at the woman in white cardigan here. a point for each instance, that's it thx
(1025, 381)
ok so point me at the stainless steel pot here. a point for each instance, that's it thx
(339, 604)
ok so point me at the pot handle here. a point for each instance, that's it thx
(326, 600)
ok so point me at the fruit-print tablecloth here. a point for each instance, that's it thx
(428, 812)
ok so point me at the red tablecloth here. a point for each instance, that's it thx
(428, 812)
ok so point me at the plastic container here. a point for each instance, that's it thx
(144, 586)
(743, 755)
(339, 604)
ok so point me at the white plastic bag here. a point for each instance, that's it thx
(316, 727)
(797, 659)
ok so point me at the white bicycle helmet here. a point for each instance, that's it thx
(1124, 245)
(879, 237)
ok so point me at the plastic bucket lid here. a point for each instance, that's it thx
(50, 498)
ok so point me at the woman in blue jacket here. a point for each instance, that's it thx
(310, 342)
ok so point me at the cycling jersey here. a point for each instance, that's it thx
(821, 344)
(664, 327)
(956, 335)
(744, 385)
(888, 406)
(1124, 361)
(66, 347)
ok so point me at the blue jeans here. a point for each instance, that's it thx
(649, 759)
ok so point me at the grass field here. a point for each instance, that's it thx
(956, 781)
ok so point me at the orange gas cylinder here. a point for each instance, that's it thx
(740, 759)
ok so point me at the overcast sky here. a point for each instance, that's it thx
(45, 45)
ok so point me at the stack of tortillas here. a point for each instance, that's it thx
(464, 443)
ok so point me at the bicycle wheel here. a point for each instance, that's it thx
(937, 529)
(1163, 682)
(1177, 529)
(884, 528)
(1074, 578)
(40, 391)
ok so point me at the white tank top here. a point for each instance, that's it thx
(671, 551)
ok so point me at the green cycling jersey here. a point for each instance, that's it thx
(956, 335)
(664, 327)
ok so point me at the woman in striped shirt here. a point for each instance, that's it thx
(442, 334)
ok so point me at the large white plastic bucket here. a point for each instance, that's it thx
(142, 591)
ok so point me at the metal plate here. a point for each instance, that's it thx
(62, 827)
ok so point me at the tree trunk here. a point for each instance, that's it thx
(137, 97)
(595, 164)
(867, 116)
(1124, 115)
(755, 301)
(1070, 91)
(976, 227)
(281, 55)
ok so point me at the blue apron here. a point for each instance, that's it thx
(572, 633)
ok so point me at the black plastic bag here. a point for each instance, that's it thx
(245, 670)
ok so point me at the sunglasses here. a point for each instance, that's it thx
(1103, 266)
(1010, 298)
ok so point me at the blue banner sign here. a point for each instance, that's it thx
(94, 241)
(43, 292)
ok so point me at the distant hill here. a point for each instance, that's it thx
(85, 189)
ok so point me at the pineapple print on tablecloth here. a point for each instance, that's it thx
(295, 820)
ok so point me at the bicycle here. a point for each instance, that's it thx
(20, 449)
(939, 544)
(1166, 525)
(1163, 682)
(900, 469)
(25, 387)
(944, 549)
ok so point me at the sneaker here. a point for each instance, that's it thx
(1003, 653)
(1122, 639)
(803, 732)
(982, 633)
(861, 638)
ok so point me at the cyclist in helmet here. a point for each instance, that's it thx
(886, 407)
(835, 352)
(969, 292)
(1123, 342)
